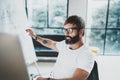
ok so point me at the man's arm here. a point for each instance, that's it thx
(47, 42)
(44, 41)
(79, 74)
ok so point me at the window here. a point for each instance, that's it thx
(47, 18)
(47, 15)
(103, 25)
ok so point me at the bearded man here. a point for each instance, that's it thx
(75, 60)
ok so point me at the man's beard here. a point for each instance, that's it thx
(72, 40)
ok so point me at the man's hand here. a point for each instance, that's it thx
(40, 78)
(31, 33)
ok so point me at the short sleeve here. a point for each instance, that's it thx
(85, 61)
(60, 45)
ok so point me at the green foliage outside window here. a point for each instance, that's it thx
(105, 32)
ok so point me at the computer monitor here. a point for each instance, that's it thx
(12, 63)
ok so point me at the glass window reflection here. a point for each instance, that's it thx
(95, 38)
(112, 42)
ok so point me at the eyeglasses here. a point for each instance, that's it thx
(69, 30)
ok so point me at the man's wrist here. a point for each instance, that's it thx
(36, 37)
(48, 79)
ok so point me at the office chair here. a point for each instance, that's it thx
(94, 73)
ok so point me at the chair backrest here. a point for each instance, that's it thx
(94, 73)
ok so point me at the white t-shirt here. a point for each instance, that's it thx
(68, 60)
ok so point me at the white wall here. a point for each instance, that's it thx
(12, 15)
(109, 67)
(13, 19)
(78, 7)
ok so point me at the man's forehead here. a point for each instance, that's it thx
(70, 25)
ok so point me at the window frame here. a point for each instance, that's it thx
(106, 28)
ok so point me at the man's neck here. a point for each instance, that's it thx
(76, 45)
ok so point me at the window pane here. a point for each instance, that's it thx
(39, 13)
(97, 18)
(39, 18)
(114, 14)
(57, 12)
(47, 13)
(95, 38)
(48, 31)
(97, 13)
(113, 42)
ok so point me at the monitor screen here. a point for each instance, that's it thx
(12, 63)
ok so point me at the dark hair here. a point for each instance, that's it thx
(74, 19)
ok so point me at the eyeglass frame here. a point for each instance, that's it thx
(69, 30)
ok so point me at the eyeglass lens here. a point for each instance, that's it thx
(69, 30)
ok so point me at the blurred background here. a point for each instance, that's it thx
(46, 18)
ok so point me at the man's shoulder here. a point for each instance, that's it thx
(61, 42)
(85, 51)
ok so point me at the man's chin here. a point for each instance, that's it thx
(67, 41)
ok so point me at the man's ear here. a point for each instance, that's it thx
(81, 32)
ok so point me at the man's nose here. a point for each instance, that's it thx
(67, 33)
